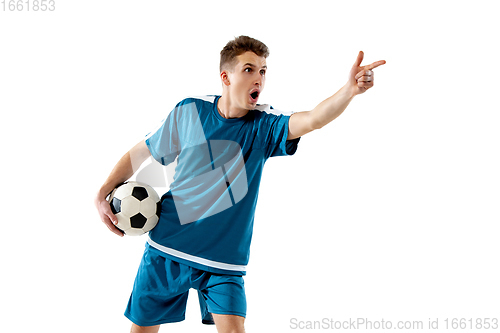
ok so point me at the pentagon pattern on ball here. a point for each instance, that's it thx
(115, 205)
(140, 193)
(138, 221)
(137, 207)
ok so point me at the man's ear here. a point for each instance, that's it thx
(224, 75)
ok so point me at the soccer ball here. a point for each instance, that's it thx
(137, 207)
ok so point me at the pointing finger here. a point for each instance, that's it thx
(375, 64)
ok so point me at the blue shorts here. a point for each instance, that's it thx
(161, 290)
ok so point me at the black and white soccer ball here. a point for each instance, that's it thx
(137, 207)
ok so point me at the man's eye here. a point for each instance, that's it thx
(262, 72)
(248, 70)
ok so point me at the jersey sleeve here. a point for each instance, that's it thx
(163, 142)
(277, 143)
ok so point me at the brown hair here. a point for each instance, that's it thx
(238, 46)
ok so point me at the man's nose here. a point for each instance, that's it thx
(258, 81)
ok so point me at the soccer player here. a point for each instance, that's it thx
(221, 144)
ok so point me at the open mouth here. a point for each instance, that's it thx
(254, 95)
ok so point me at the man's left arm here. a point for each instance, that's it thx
(360, 80)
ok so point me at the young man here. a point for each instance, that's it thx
(221, 144)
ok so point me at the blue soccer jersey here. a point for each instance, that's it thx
(208, 213)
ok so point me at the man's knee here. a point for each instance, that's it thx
(229, 323)
(144, 329)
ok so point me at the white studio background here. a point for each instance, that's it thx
(390, 212)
